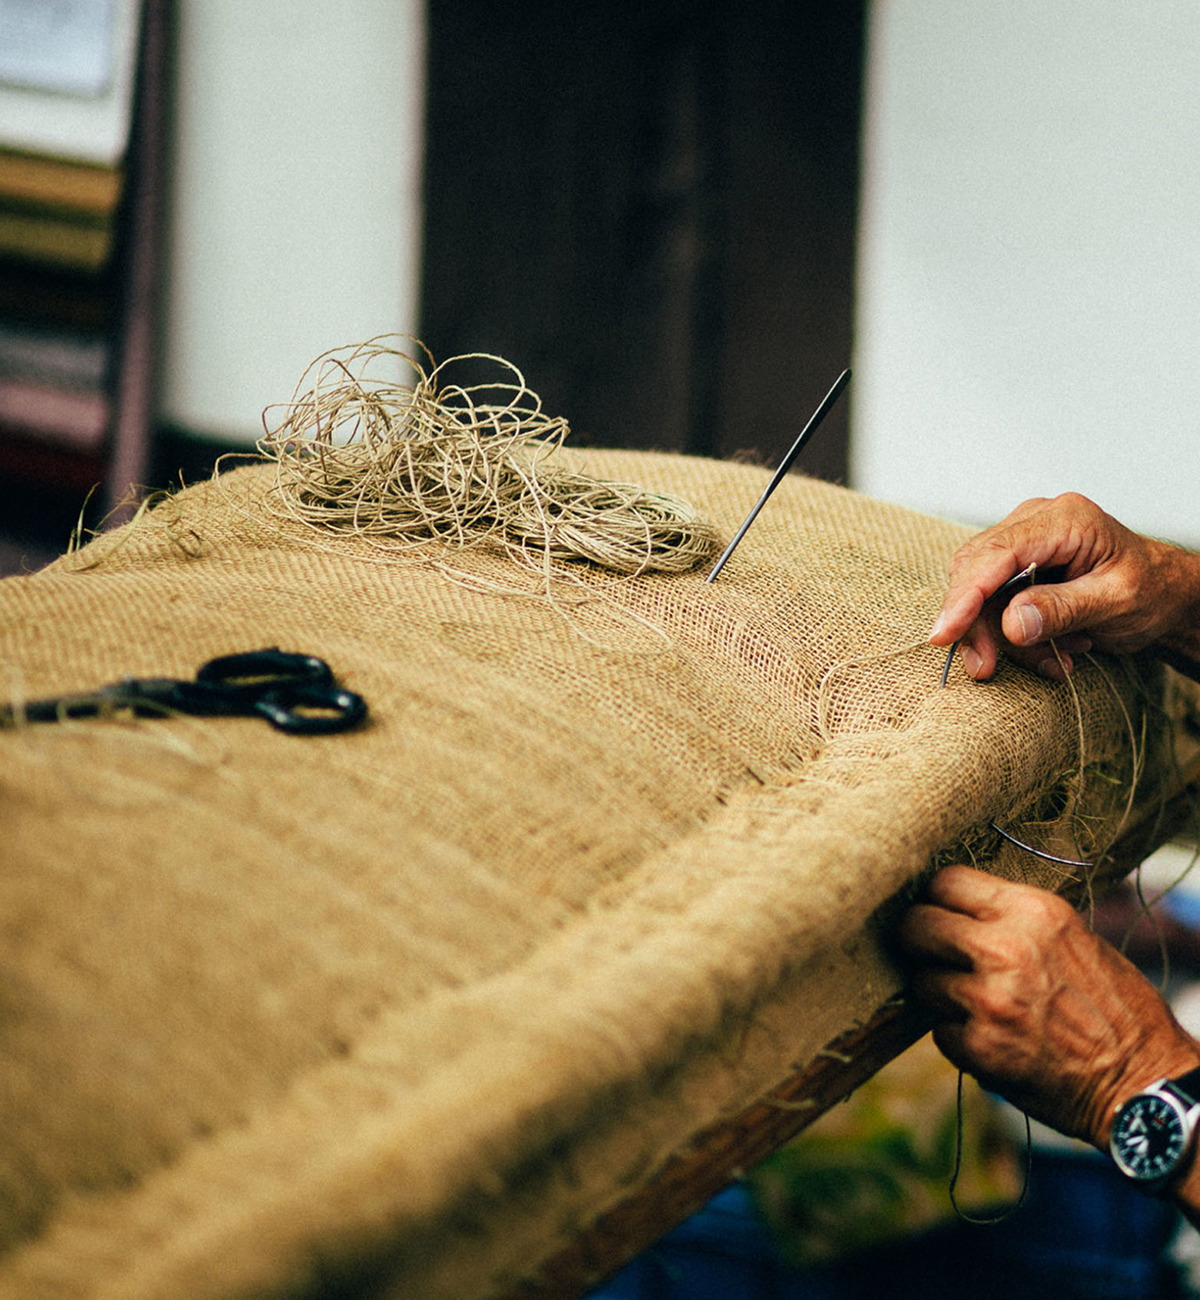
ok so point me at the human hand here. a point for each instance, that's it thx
(1035, 1005)
(1113, 589)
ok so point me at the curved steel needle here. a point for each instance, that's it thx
(784, 465)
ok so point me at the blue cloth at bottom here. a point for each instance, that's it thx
(1082, 1234)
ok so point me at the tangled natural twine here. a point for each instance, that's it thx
(399, 465)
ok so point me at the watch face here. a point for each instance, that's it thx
(1148, 1138)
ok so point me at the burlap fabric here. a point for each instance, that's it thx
(397, 1011)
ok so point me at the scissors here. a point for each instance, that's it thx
(293, 692)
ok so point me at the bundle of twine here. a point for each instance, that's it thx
(402, 464)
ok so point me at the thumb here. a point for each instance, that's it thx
(1054, 610)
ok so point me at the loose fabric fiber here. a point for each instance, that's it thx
(398, 1012)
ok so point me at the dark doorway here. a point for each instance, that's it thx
(650, 208)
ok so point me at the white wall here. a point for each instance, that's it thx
(295, 205)
(1029, 300)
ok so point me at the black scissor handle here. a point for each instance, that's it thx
(293, 692)
(311, 709)
(254, 672)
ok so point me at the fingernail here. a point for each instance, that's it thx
(1056, 671)
(971, 661)
(1031, 623)
(938, 627)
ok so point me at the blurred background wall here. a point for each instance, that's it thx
(641, 205)
(680, 221)
(295, 197)
(647, 205)
(1029, 258)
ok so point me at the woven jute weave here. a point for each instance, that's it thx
(399, 1011)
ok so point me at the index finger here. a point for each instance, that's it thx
(980, 568)
(964, 601)
(931, 933)
(974, 893)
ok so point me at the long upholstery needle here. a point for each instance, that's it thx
(784, 465)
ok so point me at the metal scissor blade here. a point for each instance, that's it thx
(140, 697)
(784, 465)
(55, 710)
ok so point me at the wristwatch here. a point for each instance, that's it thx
(1154, 1133)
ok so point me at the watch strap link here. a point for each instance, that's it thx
(1187, 1087)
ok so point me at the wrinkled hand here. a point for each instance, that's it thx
(1112, 588)
(1036, 1006)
